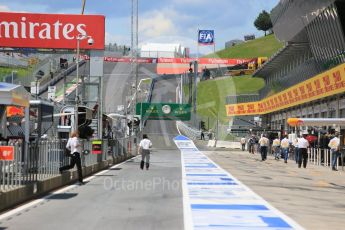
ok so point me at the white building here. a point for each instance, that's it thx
(158, 50)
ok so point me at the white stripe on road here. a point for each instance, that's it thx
(214, 199)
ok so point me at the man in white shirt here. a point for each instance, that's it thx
(303, 145)
(74, 146)
(243, 143)
(285, 143)
(144, 147)
(276, 147)
(263, 147)
(334, 144)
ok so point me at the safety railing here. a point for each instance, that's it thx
(319, 157)
(41, 160)
(188, 131)
(324, 157)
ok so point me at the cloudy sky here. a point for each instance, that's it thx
(161, 20)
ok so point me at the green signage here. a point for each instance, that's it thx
(164, 111)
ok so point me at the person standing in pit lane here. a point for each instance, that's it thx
(243, 143)
(264, 142)
(285, 144)
(303, 145)
(144, 148)
(276, 147)
(334, 145)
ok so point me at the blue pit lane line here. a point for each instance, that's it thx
(214, 199)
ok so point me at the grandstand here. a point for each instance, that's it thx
(310, 63)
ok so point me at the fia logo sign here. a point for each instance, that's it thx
(206, 37)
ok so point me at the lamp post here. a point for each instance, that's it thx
(90, 41)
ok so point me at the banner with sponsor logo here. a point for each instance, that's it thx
(325, 84)
(6, 153)
(202, 61)
(206, 37)
(58, 31)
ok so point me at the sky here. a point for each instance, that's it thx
(164, 21)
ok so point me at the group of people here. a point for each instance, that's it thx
(281, 148)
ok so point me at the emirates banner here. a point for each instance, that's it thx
(54, 31)
(325, 84)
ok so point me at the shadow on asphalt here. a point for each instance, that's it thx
(103, 175)
(63, 196)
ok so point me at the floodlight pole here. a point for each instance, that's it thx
(76, 89)
(79, 38)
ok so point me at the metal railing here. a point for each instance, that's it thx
(41, 160)
(319, 157)
(324, 157)
(190, 132)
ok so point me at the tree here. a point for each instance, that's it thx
(263, 22)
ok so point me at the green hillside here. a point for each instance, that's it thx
(261, 47)
(212, 93)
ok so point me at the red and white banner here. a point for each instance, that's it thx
(55, 31)
(116, 59)
(202, 61)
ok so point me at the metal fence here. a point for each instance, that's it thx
(324, 157)
(42, 160)
(316, 156)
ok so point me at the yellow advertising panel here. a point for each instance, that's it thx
(325, 84)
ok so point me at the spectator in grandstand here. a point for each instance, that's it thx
(334, 145)
(144, 149)
(276, 147)
(243, 143)
(264, 142)
(285, 144)
(75, 148)
(303, 145)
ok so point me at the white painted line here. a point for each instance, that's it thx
(187, 212)
(208, 211)
(290, 221)
(178, 130)
(60, 191)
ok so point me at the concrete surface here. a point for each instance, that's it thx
(314, 197)
(122, 198)
(25, 193)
